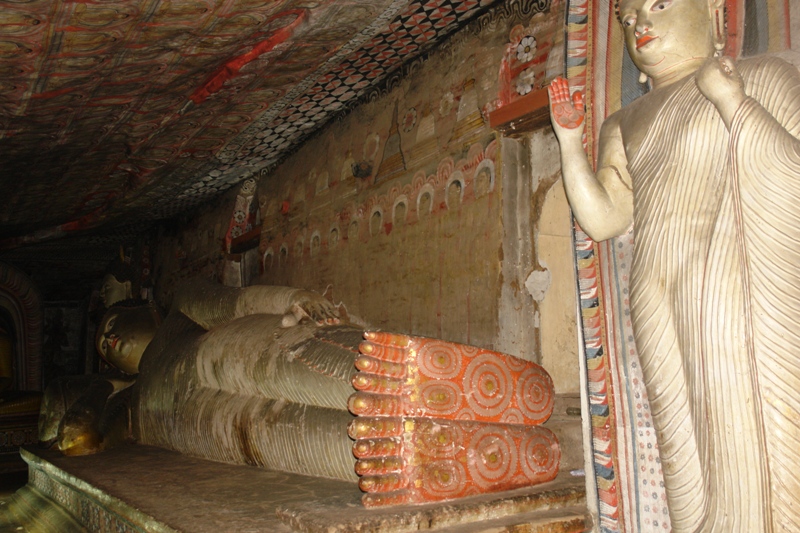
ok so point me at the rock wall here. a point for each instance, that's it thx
(405, 210)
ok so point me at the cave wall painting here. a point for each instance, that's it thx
(406, 227)
(396, 210)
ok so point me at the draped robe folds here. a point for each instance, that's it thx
(715, 299)
(250, 392)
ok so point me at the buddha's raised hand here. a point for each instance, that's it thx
(720, 82)
(566, 111)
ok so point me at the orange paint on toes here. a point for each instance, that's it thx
(383, 352)
(388, 339)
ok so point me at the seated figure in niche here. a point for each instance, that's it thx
(705, 167)
(117, 283)
(264, 376)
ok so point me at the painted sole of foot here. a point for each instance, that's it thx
(400, 375)
(406, 460)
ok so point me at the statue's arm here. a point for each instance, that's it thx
(603, 201)
(287, 301)
(720, 82)
(773, 88)
(210, 305)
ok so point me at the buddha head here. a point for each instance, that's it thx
(125, 332)
(117, 283)
(669, 39)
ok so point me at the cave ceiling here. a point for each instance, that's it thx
(115, 114)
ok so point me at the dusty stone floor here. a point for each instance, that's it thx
(187, 494)
(10, 482)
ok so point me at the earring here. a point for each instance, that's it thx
(642, 77)
(719, 32)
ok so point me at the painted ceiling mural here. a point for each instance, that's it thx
(116, 113)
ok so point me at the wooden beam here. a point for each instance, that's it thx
(524, 115)
(246, 241)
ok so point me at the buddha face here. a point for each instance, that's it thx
(125, 333)
(667, 39)
(113, 291)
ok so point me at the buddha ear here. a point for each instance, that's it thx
(718, 33)
(128, 293)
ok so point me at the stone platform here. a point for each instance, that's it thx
(144, 489)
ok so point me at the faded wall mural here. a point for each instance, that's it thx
(413, 242)
(396, 210)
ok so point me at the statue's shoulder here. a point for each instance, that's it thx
(780, 65)
(641, 112)
(633, 109)
(773, 81)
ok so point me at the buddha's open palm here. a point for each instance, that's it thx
(566, 111)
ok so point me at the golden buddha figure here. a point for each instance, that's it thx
(125, 333)
(704, 167)
(112, 290)
(117, 283)
(265, 376)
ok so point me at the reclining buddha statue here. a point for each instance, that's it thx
(265, 376)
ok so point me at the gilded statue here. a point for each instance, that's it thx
(117, 283)
(705, 169)
(265, 376)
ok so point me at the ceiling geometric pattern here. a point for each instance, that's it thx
(128, 111)
(326, 92)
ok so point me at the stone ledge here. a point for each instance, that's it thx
(333, 515)
(142, 489)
